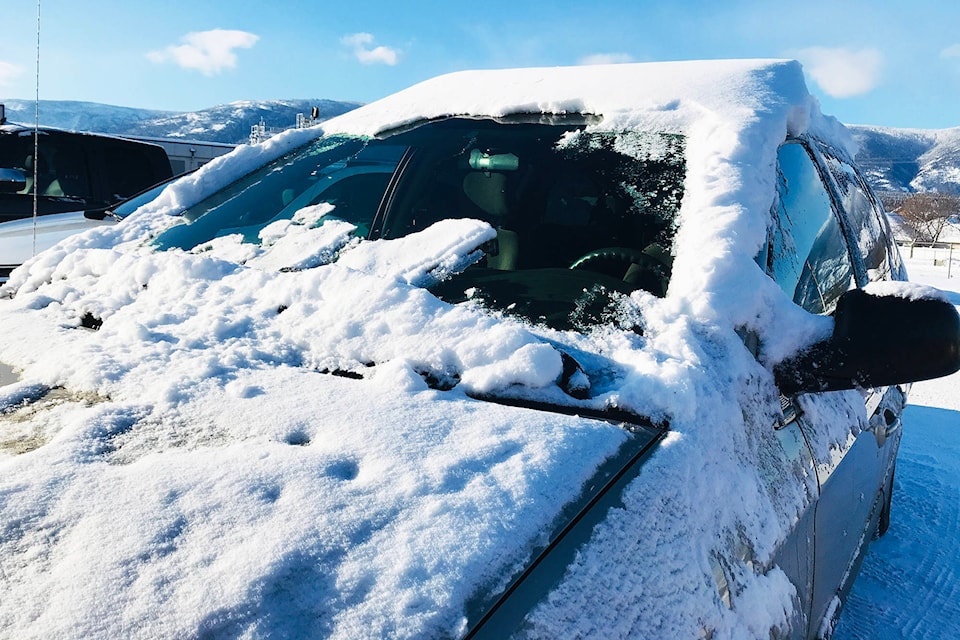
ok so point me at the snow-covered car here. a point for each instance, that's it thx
(614, 351)
(22, 239)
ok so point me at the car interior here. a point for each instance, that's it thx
(573, 211)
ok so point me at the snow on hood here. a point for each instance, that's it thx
(187, 464)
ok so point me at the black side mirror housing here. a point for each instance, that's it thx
(96, 214)
(877, 341)
(12, 180)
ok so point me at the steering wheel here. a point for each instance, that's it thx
(633, 266)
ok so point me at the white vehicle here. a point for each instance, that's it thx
(22, 239)
(79, 176)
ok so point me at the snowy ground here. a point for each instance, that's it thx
(909, 586)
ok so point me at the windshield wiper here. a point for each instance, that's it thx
(100, 214)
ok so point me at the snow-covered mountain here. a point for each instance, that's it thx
(904, 160)
(223, 123)
(910, 160)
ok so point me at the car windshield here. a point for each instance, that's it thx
(133, 203)
(582, 217)
(338, 170)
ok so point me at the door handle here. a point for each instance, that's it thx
(884, 423)
(892, 421)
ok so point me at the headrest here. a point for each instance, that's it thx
(487, 190)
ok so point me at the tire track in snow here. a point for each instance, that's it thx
(909, 586)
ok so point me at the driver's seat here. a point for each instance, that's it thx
(487, 190)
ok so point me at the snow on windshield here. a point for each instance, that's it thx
(282, 439)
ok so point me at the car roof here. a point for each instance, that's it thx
(667, 96)
(15, 129)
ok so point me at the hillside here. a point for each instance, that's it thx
(223, 123)
(910, 160)
(898, 160)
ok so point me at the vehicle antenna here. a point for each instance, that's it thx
(36, 136)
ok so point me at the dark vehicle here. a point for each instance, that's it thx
(74, 171)
(694, 245)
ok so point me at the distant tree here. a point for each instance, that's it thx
(927, 214)
(892, 199)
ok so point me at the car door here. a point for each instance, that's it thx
(872, 239)
(811, 258)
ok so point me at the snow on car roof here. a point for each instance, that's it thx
(197, 470)
(663, 96)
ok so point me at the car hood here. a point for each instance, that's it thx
(323, 514)
(22, 239)
(297, 447)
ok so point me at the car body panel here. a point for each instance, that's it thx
(22, 239)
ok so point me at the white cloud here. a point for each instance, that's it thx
(209, 52)
(366, 53)
(8, 72)
(953, 51)
(606, 58)
(841, 72)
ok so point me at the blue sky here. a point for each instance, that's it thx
(880, 62)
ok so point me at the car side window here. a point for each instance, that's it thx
(866, 215)
(127, 168)
(16, 152)
(63, 170)
(808, 255)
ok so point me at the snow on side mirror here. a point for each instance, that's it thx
(877, 341)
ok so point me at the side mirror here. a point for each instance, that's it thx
(12, 180)
(877, 341)
(99, 213)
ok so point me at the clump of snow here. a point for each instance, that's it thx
(414, 259)
(253, 440)
(907, 290)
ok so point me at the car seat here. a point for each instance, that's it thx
(487, 190)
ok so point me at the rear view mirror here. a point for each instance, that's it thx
(493, 162)
(12, 180)
(878, 341)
